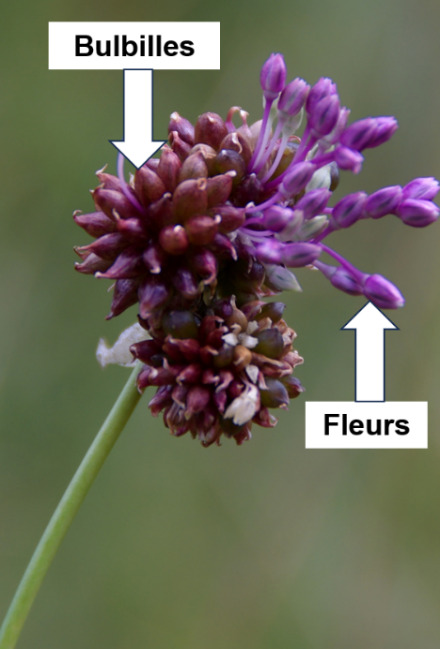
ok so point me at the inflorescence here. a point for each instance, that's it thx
(201, 234)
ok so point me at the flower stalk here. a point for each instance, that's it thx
(66, 511)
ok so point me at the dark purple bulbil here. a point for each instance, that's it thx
(218, 219)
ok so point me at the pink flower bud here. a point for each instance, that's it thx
(313, 202)
(296, 180)
(295, 255)
(325, 115)
(384, 201)
(348, 159)
(273, 76)
(417, 213)
(349, 210)
(421, 188)
(322, 88)
(293, 97)
(383, 293)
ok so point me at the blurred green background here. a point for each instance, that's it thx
(263, 546)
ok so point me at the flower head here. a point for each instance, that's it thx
(220, 218)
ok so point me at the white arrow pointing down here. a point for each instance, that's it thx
(138, 145)
(370, 325)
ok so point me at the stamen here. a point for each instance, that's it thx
(356, 273)
(262, 206)
(269, 148)
(263, 136)
(308, 141)
(278, 157)
(325, 233)
(257, 234)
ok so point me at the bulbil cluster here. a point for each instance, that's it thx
(199, 235)
(219, 373)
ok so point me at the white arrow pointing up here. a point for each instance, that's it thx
(138, 145)
(370, 325)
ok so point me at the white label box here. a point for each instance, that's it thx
(134, 45)
(362, 425)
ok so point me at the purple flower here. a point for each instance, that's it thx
(220, 193)
(296, 180)
(384, 201)
(422, 188)
(348, 159)
(293, 97)
(417, 212)
(322, 89)
(325, 116)
(202, 233)
(368, 133)
(382, 292)
(273, 76)
(349, 210)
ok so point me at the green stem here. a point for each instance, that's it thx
(66, 511)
